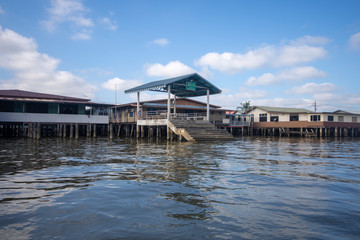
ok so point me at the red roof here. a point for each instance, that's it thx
(34, 95)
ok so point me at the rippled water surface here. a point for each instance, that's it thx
(251, 188)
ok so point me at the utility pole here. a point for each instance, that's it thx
(314, 104)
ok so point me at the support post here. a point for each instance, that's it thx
(175, 104)
(111, 131)
(71, 131)
(77, 131)
(64, 131)
(94, 135)
(168, 102)
(208, 105)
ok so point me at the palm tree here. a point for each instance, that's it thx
(243, 107)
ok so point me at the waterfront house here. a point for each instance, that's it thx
(280, 120)
(23, 111)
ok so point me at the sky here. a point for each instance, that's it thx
(271, 53)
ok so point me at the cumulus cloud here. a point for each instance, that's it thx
(296, 73)
(313, 88)
(161, 41)
(68, 11)
(110, 24)
(296, 52)
(34, 71)
(299, 73)
(265, 79)
(120, 84)
(312, 40)
(354, 42)
(84, 35)
(172, 69)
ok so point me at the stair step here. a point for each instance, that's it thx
(201, 130)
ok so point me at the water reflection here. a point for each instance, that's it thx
(252, 188)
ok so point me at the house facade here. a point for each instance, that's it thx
(21, 110)
(278, 120)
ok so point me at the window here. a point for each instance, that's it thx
(330, 118)
(263, 117)
(340, 118)
(294, 117)
(274, 118)
(315, 118)
(354, 119)
(131, 114)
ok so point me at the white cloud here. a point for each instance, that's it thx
(68, 11)
(161, 41)
(313, 88)
(1, 10)
(265, 79)
(172, 69)
(84, 35)
(297, 52)
(305, 72)
(34, 71)
(318, 40)
(120, 84)
(110, 24)
(354, 42)
(296, 73)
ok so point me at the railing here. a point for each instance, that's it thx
(240, 123)
(161, 114)
(189, 116)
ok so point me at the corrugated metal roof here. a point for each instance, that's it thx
(14, 93)
(282, 109)
(178, 86)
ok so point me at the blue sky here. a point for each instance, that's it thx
(273, 53)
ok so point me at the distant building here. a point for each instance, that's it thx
(126, 113)
(20, 108)
(279, 120)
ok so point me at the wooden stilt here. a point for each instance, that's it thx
(94, 131)
(77, 131)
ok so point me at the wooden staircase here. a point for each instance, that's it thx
(195, 130)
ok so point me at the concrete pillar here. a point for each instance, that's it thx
(111, 131)
(71, 131)
(64, 131)
(88, 130)
(94, 133)
(77, 131)
(38, 131)
(321, 132)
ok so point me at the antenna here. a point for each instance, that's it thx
(314, 104)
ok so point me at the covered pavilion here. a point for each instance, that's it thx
(190, 85)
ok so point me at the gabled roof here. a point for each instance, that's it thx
(178, 86)
(281, 109)
(14, 93)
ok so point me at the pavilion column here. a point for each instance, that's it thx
(138, 115)
(175, 104)
(168, 103)
(208, 105)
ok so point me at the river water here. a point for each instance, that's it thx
(251, 188)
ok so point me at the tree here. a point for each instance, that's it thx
(243, 107)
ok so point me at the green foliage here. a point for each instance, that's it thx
(243, 107)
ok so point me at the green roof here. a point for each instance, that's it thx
(178, 86)
(282, 109)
